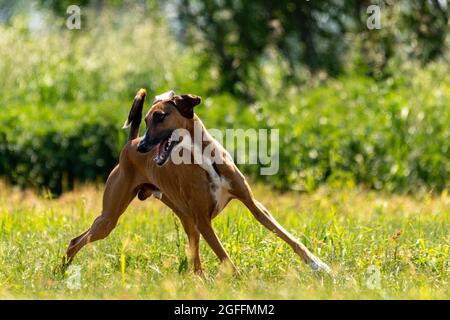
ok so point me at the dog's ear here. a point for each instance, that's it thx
(186, 103)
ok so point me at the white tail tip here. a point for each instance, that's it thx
(126, 125)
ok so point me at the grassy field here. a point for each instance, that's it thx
(380, 246)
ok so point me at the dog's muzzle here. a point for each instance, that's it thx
(143, 146)
(163, 143)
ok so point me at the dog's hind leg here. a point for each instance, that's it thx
(207, 232)
(268, 221)
(119, 191)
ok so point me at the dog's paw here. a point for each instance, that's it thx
(200, 273)
(317, 265)
(59, 270)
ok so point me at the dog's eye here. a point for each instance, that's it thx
(159, 117)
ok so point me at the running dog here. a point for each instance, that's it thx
(197, 193)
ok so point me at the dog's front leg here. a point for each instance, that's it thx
(194, 243)
(192, 233)
(119, 191)
(204, 226)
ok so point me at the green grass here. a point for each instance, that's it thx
(407, 238)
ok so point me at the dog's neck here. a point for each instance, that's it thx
(204, 135)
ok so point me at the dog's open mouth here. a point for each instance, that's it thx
(163, 149)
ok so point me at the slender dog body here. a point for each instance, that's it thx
(196, 192)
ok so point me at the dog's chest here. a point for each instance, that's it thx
(220, 192)
(219, 186)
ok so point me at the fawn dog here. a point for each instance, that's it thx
(195, 192)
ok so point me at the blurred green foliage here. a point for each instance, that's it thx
(64, 95)
(238, 36)
(55, 147)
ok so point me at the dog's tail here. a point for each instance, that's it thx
(135, 116)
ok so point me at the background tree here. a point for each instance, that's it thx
(232, 37)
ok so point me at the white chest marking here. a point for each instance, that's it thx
(219, 185)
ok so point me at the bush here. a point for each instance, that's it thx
(60, 118)
(352, 130)
(54, 148)
(66, 95)
(392, 135)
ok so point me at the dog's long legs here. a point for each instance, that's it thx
(117, 195)
(194, 243)
(192, 233)
(266, 219)
(243, 192)
(206, 230)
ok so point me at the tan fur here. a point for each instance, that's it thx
(186, 189)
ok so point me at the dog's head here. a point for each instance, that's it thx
(168, 113)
